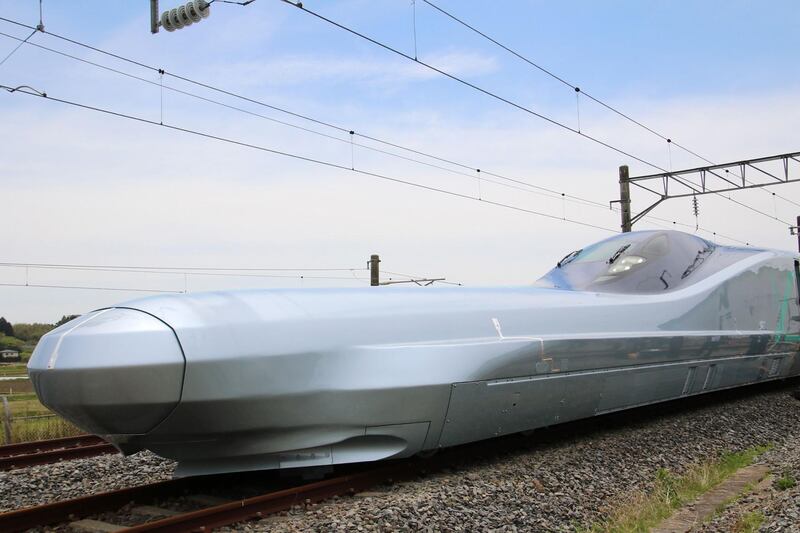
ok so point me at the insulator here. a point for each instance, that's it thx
(184, 16)
(695, 206)
(174, 19)
(193, 12)
(203, 8)
(165, 23)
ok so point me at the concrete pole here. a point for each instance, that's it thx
(154, 16)
(625, 198)
(798, 234)
(374, 270)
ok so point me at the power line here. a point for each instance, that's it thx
(484, 172)
(549, 193)
(185, 273)
(412, 278)
(123, 289)
(472, 85)
(581, 91)
(180, 269)
(496, 96)
(476, 173)
(321, 162)
(12, 52)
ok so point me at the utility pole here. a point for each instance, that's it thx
(374, 270)
(153, 16)
(625, 198)
(711, 179)
(795, 230)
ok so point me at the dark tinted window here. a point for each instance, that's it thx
(636, 262)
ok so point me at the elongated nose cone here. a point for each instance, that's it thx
(114, 371)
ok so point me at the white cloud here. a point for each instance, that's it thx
(102, 190)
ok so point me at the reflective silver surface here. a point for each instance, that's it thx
(286, 378)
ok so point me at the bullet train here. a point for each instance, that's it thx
(277, 379)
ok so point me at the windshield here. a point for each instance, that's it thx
(643, 262)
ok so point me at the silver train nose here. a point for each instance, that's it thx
(113, 371)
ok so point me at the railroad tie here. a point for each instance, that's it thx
(94, 526)
(153, 511)
(206, 500)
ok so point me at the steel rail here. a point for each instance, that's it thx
(49, 444)
(276, 500)
(67, 510)
(41, 452)
(273, 502)
(227, 513)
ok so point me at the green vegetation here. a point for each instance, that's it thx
(41, 428)
(23, 337)
(12, 370)
(30, 420)
(5, 327)
(749, 523)
(31, 332)
(786, 481)
(670, 492)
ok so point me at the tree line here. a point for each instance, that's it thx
(29, 332)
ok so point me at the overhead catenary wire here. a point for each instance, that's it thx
(491, 94)
(531, 188)
(12, 52)
(180, 268)
(122, 289)
(161, 72)
(350, 132)
(235, 274)
(484, 172)
(670, 141)
(321, 162)
(413, 277)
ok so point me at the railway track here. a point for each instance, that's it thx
(208, 502)
(154, 504)
(42, 452)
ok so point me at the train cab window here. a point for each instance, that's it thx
(637, 262)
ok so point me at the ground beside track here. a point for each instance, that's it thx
(570, 483)
(566, 481)
(42, 484)
(774, 506)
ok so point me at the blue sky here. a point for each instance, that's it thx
(715, 76)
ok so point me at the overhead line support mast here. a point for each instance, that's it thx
(711, 179)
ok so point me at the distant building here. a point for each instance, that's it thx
(9, 356)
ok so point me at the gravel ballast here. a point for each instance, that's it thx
(779, 506)
(518, 484)
(560, 486)
(42, 484)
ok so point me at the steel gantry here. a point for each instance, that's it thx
(711, 179)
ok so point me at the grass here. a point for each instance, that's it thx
(30, 420)
(15, 386)
(21, 396)
(749, 523)
(786, 481)
(13, 369)
(27, 407)
(671, 492)
(50, 427)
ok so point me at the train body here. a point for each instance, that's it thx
(265, 379)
